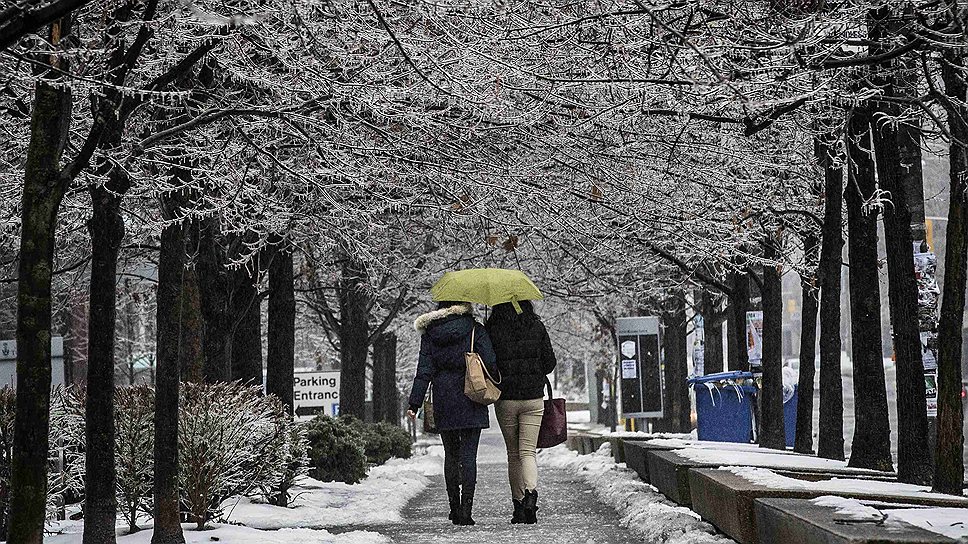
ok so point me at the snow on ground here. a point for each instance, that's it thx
(646, 512)
(376, 500)
(950, 522)
(70, 533)
(768, 478)
(760, 459)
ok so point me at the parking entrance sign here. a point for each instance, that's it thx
(316, 393)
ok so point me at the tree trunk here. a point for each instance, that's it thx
(772, 427)
(739, 304)
(107, 231)
(281, 356)
(808, 345)
(677, 407)
(354, 304)
(949, 471)
(892, 150)
(191, 350)
(871, 446)
(247, 333)
(213, 281)
(712, 333)
(830, 442)
(386, 397)
(44, 189)
(171, 270)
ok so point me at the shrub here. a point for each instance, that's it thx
(288, 456)
(8, 412)
(67, 438)
(134, 442)
(336, 450)
(381, 441)
(401, 445)
(65, 443)
(228, 437)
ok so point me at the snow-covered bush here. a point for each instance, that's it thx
(66, 443)
(381, 441)
(65, 476)
(336, 450)
(228, 444)
(134, 443)
(401, 444)
(8, 412)
(287, 456)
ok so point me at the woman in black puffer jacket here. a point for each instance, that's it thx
(525, 358)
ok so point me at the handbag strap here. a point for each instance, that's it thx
(548, 385)
(484, 366)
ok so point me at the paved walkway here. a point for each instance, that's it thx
(568, 511)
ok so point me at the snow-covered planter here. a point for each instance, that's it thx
(228, 438)
(134, 443)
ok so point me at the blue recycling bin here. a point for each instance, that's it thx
(790, 417)
(723, 406)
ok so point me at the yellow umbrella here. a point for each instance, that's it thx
(490, 286)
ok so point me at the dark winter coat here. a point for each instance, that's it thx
(445, 338)
(524, 353)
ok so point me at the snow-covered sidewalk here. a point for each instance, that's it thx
(642, 509)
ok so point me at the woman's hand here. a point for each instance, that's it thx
(412, 415)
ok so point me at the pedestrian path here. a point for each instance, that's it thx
(568, 511)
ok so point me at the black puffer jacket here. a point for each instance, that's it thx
(524, 353)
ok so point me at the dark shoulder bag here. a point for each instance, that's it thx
(554, 422)
(429, 422)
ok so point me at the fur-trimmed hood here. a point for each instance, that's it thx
(422, 323)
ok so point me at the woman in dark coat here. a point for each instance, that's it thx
(525, 358)
(445, 338)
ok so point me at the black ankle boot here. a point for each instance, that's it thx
(453, 497)
(518, 515)
(530, 504)
(466, 505)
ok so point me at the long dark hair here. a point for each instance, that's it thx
(506, 312)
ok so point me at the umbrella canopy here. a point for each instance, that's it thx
(490, 286)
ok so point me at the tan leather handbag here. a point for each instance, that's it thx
(479, 386)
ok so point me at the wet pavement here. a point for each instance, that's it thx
(569, 511)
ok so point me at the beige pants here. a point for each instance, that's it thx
(520, 421)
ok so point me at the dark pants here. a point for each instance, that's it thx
(460, 457)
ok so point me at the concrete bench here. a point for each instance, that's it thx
(799, 520)
(668, 471)
(728, 501)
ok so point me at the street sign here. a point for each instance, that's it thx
(8, 362)
(316, 393)
(641, 368)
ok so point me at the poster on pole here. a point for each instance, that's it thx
(640, 365)
(315, 393)
(754, 338)
(699, 348)
(931, 392)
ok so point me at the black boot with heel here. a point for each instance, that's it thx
(466, 505)
(530, 505)
(453, 496)
(518, 515)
